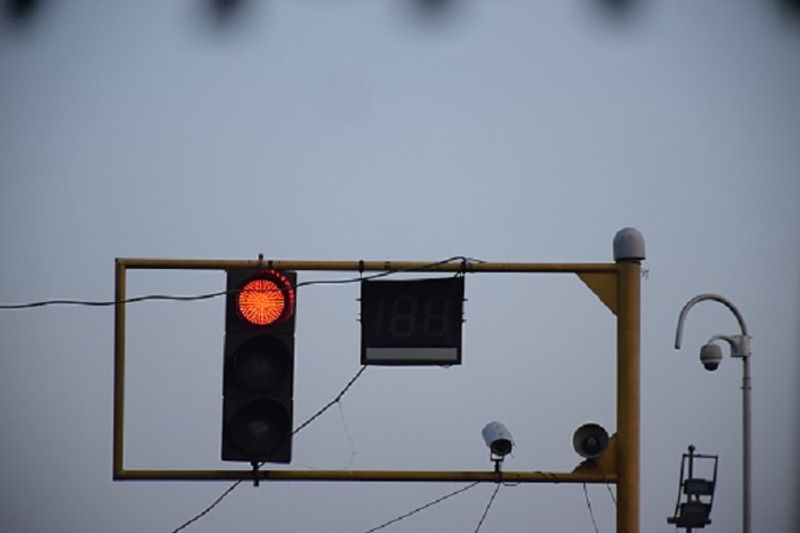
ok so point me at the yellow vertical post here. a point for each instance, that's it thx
(119, 369)
(628, 252)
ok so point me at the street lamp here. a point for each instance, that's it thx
(710, 356)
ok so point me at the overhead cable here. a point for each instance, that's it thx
(210, 295)
(423, 507)
(488, 506)
(230, 489)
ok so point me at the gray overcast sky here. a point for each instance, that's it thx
(503, 130)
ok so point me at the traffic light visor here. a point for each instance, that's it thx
(266, 299)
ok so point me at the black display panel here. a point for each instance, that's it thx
(412, 322)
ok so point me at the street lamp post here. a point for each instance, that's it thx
(710, 356)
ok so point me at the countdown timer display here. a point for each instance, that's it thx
(412, 322)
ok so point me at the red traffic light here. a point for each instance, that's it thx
(266, 299)
(258, 365)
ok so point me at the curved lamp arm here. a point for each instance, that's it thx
(700, 298)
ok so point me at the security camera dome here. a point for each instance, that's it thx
(498, 439)
(710, 356)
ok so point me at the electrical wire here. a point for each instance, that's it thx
(332, 402)
(389, 272)
(488, 506)
(608, 486)
(108, 303)
(207, 296)
(353, 451)
(423, 507)
(230, 489)
(207, 509)
(611, 492)
(589, 506)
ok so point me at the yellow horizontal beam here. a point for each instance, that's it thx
(456, 265)
(578, 476)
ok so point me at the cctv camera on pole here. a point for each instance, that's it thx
(499, 441)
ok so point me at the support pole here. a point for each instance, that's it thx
(628, 253)
(119, 370)
(746, 447)
(628, 323)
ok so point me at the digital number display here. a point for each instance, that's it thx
(412, 322)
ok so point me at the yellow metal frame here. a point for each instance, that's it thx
(617, 285)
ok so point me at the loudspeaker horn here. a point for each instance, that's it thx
(590, 441)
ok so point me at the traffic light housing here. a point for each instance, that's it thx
(258, 367)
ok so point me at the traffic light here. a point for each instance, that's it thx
(258, 371)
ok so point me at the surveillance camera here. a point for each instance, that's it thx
(710, 356)
(498, 439)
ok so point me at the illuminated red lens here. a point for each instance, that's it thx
(264, 301)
